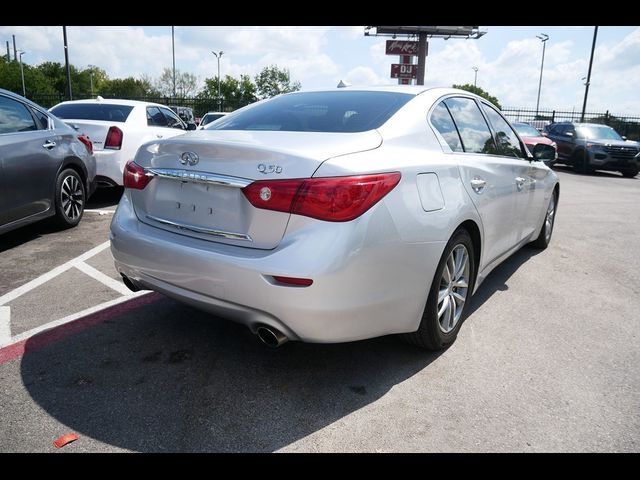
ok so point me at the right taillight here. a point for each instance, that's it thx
(334, 199)
(134, 176)
(114, 139)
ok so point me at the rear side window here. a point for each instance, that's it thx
(508, 142)
(474, 131)
(155, 118)
(93, 111)
(15, 117)
(442, 121)
(339, 111)
(173, 121)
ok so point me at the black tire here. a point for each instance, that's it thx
(70, 198)
(630, 173)
(430, 335)
(580, 161)
(543, 239)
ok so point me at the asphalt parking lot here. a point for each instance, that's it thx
(547, 360)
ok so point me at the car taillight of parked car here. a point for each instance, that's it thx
(134, 176)
(334, 199)
(87, 143)
(114, 139)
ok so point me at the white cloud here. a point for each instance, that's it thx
(364, 76)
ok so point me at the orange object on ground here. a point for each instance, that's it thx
(65, 439)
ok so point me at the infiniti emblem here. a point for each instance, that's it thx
(189, 158)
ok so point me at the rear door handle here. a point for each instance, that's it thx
(478, 184)
(520, 182)
(49, 144)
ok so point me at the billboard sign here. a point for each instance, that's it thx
(401, 70)
(401, 47)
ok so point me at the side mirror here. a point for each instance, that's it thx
(191, 126)
(544, 153)
(624, 138)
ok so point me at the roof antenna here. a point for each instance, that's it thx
(99, 98)
(343, 84)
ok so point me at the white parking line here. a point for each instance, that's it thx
(67, 319)
(98, 211)
(102, 278)
(5, 325)
(36, 282)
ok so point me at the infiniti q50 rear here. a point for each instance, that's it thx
(338, 215)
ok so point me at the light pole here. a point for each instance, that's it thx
(586, 88)
(475, 77)
(91, 67)
(543, 38)
(24, 92)
(218, 55)
(173, 50)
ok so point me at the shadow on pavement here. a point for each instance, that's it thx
(171, 378)
(498, 278)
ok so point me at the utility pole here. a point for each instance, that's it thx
(422, 57)
(173, 49)
(15, 50)
(586, 88)
(66, 61)
(8, 52)
(543, 38)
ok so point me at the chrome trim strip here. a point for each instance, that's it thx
(197, 177)
(207, 231)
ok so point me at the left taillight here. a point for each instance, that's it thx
(87, 143)
(134, 176)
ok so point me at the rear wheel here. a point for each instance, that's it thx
(544, 238)
(580, 160)
(451, 288)
(70, 198)
(630, 173)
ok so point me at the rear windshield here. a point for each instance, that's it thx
(92, 111)
(340, 111)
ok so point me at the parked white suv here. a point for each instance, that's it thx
(117, 128)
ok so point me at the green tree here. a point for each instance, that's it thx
(235, 93)
(186, 83)
(125, 87)
(35, 81)
(480, 92)
(272, 81)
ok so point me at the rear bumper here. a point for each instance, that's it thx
(364, 286)
(110, 164)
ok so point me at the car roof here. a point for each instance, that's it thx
(114, 101)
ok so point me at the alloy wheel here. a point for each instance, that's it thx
(454, 286)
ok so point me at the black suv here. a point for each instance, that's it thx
(590, 146)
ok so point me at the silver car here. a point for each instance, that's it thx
(47, 169)
(333, 216)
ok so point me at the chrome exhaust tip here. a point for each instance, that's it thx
(270, 336)
(130, 285)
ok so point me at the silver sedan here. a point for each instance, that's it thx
(339, 215)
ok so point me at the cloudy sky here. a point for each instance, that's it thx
(508, 58)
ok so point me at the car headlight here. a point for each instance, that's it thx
(594, 146)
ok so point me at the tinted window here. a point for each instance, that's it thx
(41, 119)
(92, 111)
(441, 120)
(155, 118)
(508, 142)
(210, 117)
(340, 111)
(474, 132)
(173, 121)
(15, 117)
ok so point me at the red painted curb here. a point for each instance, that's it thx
(47, 337)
